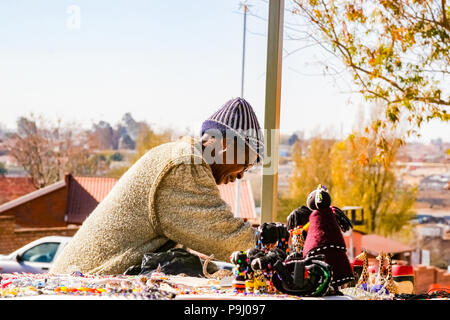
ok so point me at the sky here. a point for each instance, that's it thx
(170, 63)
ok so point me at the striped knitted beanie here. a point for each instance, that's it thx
(237, 116)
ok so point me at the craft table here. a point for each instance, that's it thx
(165, 287)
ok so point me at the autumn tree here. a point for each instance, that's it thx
(364, 174)
(358, 171)
(47, 151)
(396, 50)
(312, 166)
(149, 138)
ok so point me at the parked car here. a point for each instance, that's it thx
(425, 218)
(35, 257)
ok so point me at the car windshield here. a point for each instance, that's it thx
(44, 252)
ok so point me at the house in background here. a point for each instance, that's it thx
(60, 209)
(374, 244)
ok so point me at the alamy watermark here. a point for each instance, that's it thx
(73, 21)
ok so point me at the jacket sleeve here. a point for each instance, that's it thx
(191, 212)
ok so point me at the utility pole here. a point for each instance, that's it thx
(238, 181)
(272, 111)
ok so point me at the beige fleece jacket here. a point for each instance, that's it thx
(170, 193)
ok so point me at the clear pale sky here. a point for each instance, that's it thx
(171, 63)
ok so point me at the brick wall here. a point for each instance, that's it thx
(426, 276)
(7, 237)
(443, 277)
(12, 239)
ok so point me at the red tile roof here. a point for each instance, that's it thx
(247, 204)
(14, 187)
(374, 244)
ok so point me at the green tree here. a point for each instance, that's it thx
(396, 50)
(116, 156)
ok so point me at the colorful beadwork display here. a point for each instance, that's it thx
(269, 265)
(76, 284)
(158, 286)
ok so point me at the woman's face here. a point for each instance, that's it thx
(225, 173)
(228, 172)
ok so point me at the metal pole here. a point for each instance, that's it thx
(272, 111)
(238, 181)
(243, 50)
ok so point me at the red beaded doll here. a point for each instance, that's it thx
(325, 237)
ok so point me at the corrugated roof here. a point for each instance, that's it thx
(374, 244)
(84, 194)
(247, 204)
(97, 187)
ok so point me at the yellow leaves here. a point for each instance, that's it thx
(351, 138)
(341, 145)
(366, 130)
(363, 140)
(355, 14)
(149, 139)
(398, 34)
(375, 73)
(317, 13)
(363, 159)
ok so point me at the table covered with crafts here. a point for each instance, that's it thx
(274, 270)
(25, 286)
(156, 287)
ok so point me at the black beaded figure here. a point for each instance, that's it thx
(241, 269)
(271, 235)
(297, 225)
(302, 277)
